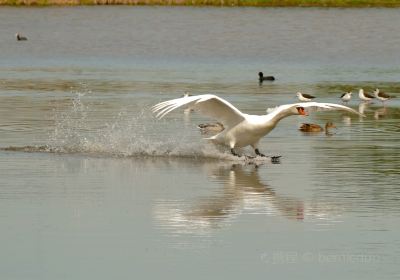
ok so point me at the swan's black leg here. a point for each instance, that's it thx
(234, 153)
(275, 159)
(237, 155)
(258, 153)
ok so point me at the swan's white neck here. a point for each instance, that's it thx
(265, 123)
(275, 117)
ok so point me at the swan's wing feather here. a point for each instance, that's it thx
(317, 106)
(207, 104)
(219, 109)
(314, 106)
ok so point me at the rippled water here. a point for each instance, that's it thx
(92, 186)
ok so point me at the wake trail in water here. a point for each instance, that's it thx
(82, 128)
(203, 155)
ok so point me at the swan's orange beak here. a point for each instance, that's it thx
(302, 111)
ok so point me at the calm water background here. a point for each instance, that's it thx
(93, 187)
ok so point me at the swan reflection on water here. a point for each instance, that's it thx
(242, 192)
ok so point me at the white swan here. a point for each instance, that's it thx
(241, 129)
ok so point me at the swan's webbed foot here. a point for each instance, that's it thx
(237, 155)
(274, 159)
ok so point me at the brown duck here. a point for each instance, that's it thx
(310, 127)
(207, 128)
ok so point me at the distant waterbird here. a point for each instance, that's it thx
(346, 97)
(364, 96)
(240, 129)
(304, 97)
(261, 77)
(20, 38)
(382, 96)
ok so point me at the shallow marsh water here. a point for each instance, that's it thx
(92, 186)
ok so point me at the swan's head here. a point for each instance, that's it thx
(301, 111)
(298, 94)
(17, 35)
(350, 93)
(288, 110)
(260, 74)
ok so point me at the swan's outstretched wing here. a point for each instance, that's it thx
(315, 106)
(207, 104)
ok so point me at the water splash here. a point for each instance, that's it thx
(90, 124)
(130, 133)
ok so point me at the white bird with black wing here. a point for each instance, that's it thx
(241, 129)
(381, 96)
(365, 96)
(304, 97)
(346, 97)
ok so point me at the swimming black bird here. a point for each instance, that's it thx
(266, 78)
(20, 38)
